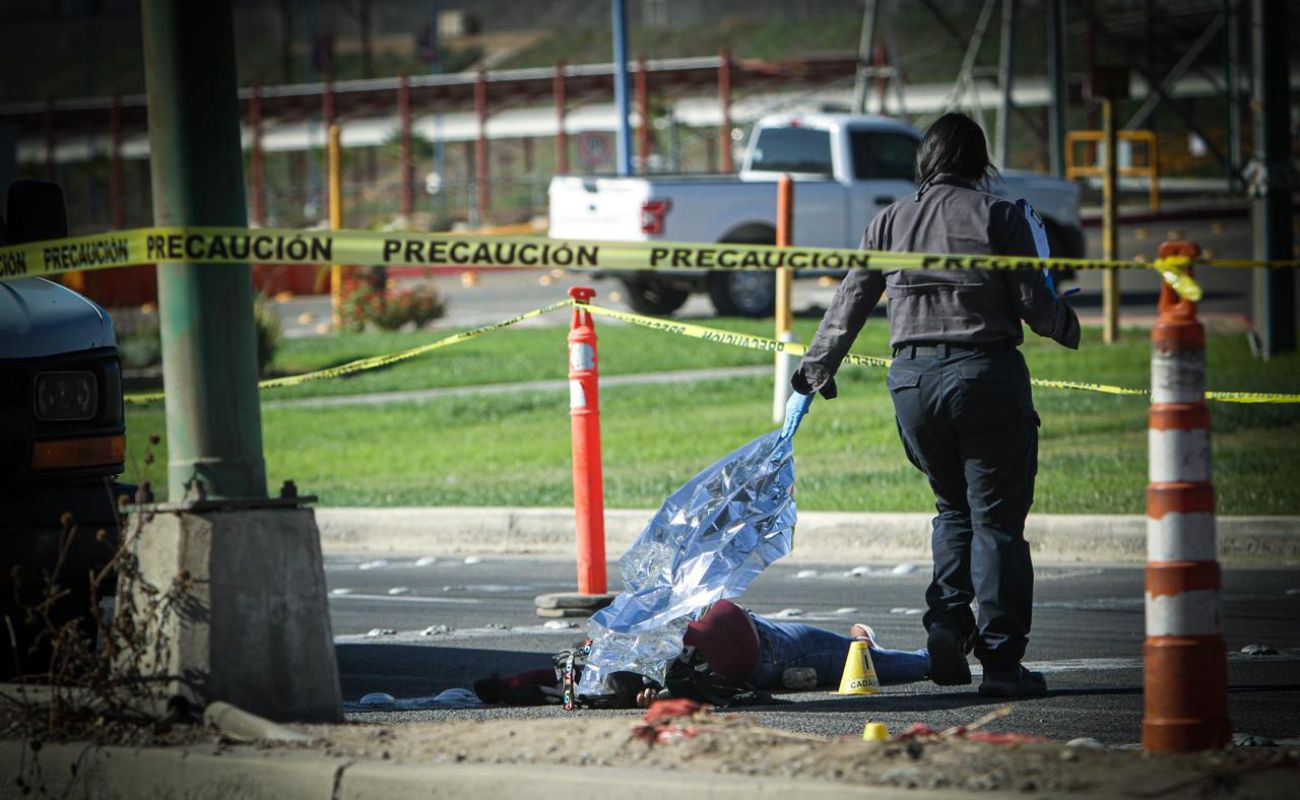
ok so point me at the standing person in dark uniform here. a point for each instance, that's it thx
(961, 394)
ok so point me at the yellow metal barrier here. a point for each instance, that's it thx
(1083, 167)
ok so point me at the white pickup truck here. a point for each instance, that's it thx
(846, 169)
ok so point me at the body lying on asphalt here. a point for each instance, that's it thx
(729, 656)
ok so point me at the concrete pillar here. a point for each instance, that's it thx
(249, 624)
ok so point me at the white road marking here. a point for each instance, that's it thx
(406, 599)
(1102, 664)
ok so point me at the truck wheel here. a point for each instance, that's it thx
(649, 295)
(743, 293)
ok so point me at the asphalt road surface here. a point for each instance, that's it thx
(440, 623)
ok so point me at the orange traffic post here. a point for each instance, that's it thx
(588, 484)
(783, 369)
(584, 414)
(1185, 674)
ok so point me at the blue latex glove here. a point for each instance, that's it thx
(795, 409)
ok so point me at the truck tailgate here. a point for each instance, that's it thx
(597, 208)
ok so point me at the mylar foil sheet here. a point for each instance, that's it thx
(707, 542)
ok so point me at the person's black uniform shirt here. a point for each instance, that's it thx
(966, 306)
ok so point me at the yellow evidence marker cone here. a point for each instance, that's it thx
(859, 675)
(875, 732)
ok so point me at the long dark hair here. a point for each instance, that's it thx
(955, 144)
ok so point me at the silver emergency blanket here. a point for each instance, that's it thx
(707, 542)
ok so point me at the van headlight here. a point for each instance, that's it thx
(64, 396)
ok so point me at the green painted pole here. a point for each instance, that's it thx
(1056, 85)
(214, 429)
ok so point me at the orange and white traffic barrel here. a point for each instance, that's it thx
(1185, 681)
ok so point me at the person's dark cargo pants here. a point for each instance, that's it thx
(967, 420)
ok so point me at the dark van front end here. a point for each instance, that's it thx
(62, 443)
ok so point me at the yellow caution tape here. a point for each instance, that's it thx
(196, 245)
(701, 332)
(752, 342)
(375, 362)
(1174, 271)
(1248, 263)
(1253, 397)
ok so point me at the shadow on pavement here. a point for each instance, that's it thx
(883, 703)
(419, 670)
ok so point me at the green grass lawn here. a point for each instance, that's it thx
(513, 448)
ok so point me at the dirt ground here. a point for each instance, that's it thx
(726, 743)
(729, 744)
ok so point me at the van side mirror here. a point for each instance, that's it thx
(36, 212)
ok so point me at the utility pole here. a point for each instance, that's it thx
(214, 429)
(1109, 85)
(1006, 81)
(1056, 82)
(1232, 77)
(867, 41)
(252, 627)
(624, 146)
(1275, 319)
(1110, 225)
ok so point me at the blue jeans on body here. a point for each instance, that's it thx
(783, 645)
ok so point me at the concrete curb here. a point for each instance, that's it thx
(77, 771)
(820, 536)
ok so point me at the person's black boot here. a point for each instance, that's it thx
(1014, 682)
(948, 665)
